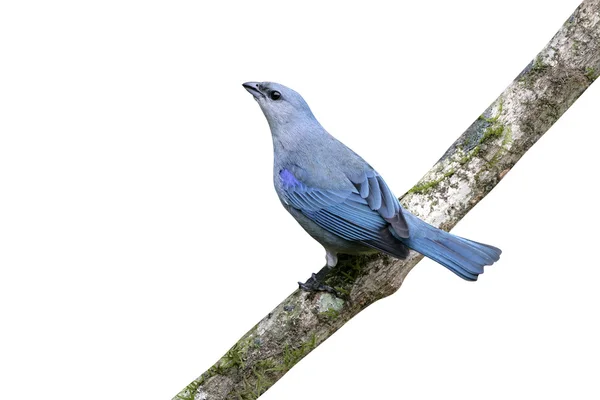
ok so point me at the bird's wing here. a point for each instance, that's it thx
(379, 197)
(342, 212)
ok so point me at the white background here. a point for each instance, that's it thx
(140, 236)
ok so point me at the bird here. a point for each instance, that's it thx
(343, 202)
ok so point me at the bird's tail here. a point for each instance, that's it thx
(464, 257)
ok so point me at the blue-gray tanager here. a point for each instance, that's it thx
(341, 201)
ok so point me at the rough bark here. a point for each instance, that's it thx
(469, 170)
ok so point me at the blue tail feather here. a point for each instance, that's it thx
(464, 257)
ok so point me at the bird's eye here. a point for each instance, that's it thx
(275, 95)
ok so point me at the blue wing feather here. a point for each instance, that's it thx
(380, 198)
(374, 198)
(346, 213)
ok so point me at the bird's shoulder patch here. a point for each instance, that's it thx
(289, 180)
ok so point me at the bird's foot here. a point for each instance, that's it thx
(314, 285)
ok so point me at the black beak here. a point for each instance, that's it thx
(252, 88)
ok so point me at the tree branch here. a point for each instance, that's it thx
(466, 173)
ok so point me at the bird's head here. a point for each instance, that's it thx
(281, 105)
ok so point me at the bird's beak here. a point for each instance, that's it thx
(252, 88)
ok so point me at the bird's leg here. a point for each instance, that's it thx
(316, 282)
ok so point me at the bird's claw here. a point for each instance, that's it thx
(314, 285)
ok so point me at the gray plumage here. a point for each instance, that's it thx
(341, 201)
